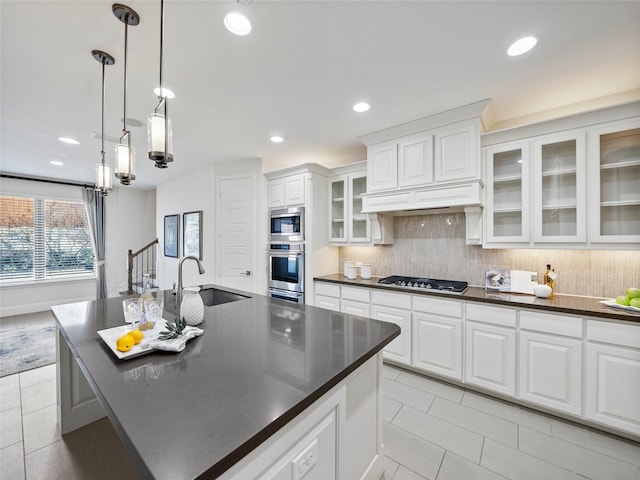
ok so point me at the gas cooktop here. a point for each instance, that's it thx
(445, 286)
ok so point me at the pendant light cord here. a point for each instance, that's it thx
(104, 64)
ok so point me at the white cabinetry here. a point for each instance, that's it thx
(328, 296)
(348, 223)
(415, 161)
(437, 336)
(382, 166)
(287, 192)
(560, 188)
(614, 162)
(551, 361)
(395, 308)
(355, 300)
(490, 347)
(613, 375)
(456, 152)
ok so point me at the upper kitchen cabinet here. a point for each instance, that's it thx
(507, 192)
(563, 159)
(348, 223)
(288, 191)
(614, 159)
(430, 163)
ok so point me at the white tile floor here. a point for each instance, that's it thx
(431, 430)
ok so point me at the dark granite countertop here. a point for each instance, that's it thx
(198, 412)
(572, 304)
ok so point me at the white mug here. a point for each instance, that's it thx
(348, 264)
(365, 271)
(350, 272)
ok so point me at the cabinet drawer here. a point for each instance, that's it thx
(330, 303)
(614, 333)
(548, 323)
(355, 308)
(439, 306)
(356, 293)
(489, 314)
(328, 289)
(389, 299)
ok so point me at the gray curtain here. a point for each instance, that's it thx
(94, 208)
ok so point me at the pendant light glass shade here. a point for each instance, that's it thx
(103, 179)
(125, 163)
(156, 130)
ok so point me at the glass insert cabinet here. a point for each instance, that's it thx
(348, 223)
(578, 186)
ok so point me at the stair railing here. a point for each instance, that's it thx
(144, 261)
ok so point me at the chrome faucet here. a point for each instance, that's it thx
(179, 288)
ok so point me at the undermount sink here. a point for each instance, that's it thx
(214, 296)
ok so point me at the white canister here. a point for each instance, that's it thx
(348, 264)
(365, 271)
(192, 306)
(350, 272)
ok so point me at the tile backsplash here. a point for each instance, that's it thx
(434, 246)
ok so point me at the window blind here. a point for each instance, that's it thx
(43, 239)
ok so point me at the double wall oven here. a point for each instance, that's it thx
(286, 254)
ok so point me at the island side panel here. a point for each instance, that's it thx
(76, 402)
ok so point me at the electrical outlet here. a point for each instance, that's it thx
(305, 461)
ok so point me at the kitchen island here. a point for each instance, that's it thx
(269, 387)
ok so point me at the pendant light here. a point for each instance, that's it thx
(159, 136)
(103, 171)
(125, 154)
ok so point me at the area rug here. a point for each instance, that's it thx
(25, 348)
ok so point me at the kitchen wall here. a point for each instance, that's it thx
(129, 224)
(434, 246)
(195, 191)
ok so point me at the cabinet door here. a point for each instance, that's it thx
(614, 172)
(560, 198)
(437, 344)
(359, 226)
(400, 348)
(507, 178)
(490, 357)
(294, 190)
(551, 371)
(458, 153)
(338, 210)
(276, 193)
(382, 167)
(613, 386)
(415, 162)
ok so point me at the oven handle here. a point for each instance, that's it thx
(285, 253)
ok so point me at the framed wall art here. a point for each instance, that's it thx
(171, 232)
(192, 234)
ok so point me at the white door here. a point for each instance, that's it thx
(491, 357)
(437, 344)
(235, 220)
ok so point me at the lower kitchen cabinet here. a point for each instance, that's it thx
(551, 371)
(394, 308)
(437, 336)
(613, 375)
(490, 357)
(355, 300)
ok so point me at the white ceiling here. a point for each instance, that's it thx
(297, 74)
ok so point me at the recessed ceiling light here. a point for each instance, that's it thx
(57, 163)
(70, 141)
(237, 23)
(277, 139)
(361, 107)
(166, 93)
(522, 46)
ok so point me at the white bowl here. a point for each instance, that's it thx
(542, 291)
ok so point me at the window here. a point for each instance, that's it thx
(43, 239)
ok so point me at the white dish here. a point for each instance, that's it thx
(612, 303)
(111, 335)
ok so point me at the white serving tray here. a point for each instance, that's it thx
(110, 335)
(612, 303)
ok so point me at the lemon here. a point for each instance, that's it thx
(137, 336)
(125, 343)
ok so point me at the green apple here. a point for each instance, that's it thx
(633, 292)
(622, 300)
(635, 302)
